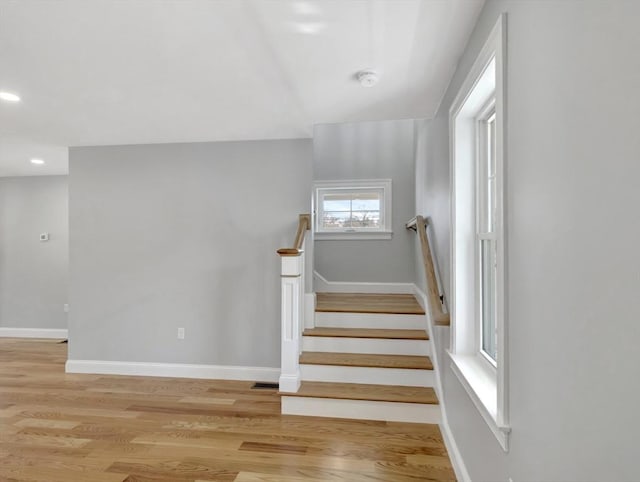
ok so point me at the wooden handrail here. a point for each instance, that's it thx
(304, 225)
(419, 224)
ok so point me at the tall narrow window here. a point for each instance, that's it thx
(486, 231)
(478, 277)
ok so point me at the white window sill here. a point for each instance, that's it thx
(479, 380)
(349, 235)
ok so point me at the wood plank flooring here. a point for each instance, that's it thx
(368, 303)
(381, 333)
(358, 391)
(56, 427)
(366, 360)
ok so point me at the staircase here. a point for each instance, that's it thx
(367, 357)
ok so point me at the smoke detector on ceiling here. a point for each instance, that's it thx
(367, 78)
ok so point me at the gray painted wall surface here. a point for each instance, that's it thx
(182, 235)
(368, 150)
(573, 237)
(33, 274)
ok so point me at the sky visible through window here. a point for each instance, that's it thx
(351, 210)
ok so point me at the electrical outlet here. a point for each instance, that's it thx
(65, 307)
(180, 333)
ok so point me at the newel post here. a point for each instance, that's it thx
(292, 282)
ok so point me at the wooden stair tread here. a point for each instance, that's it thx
(366, 360)
(367, 333)
(405, 304)
(358, 391)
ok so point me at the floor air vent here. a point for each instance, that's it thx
(266, 386)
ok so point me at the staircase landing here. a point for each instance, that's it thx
(385, 334)
(366, 360)
(360, 391)
(368, 303)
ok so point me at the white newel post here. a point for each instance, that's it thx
(292, 282)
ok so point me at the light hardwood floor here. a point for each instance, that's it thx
(366, 360)
(93, 428)
(368, 303)
(367, 333)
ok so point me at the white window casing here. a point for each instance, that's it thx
(478, 216)
(352, 209)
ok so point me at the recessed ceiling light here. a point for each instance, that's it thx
(39, 162)
(305, 8)
(9, 97)
(310, 28)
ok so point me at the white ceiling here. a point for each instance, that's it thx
(105, 72)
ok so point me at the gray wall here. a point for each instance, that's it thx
(33, 274)
(573, 237)
(182, 235)
(368, 150)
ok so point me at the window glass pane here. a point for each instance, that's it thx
(352, 209)
(365, 219)
(357, 208)
(488, 297)
(366, 201)
(360, 204)
(491, 173)
(336, 202)
(491, 199)
(336, 219)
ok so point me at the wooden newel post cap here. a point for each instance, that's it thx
(290, 252)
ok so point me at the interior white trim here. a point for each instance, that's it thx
(455, 456)
(54, 333)
(482, 391)
(345, 185)
(372, 375)
(309, 310)
(421, 296)
(370, 320)
(321, 284)
(459, 467)
(177, 370)
(366, 345)
(462, 182)
(361, 409)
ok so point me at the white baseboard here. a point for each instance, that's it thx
(320, 284)
(450, 442)
(452, 448)
(33, 333)
(421, 296)
(177, 370)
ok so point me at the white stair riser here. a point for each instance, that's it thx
(366, 345)
(370, 375)
(361, 409)
(371, 320)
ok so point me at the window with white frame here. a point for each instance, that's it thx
(479, 342)
(353, 209)
(486, 230)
